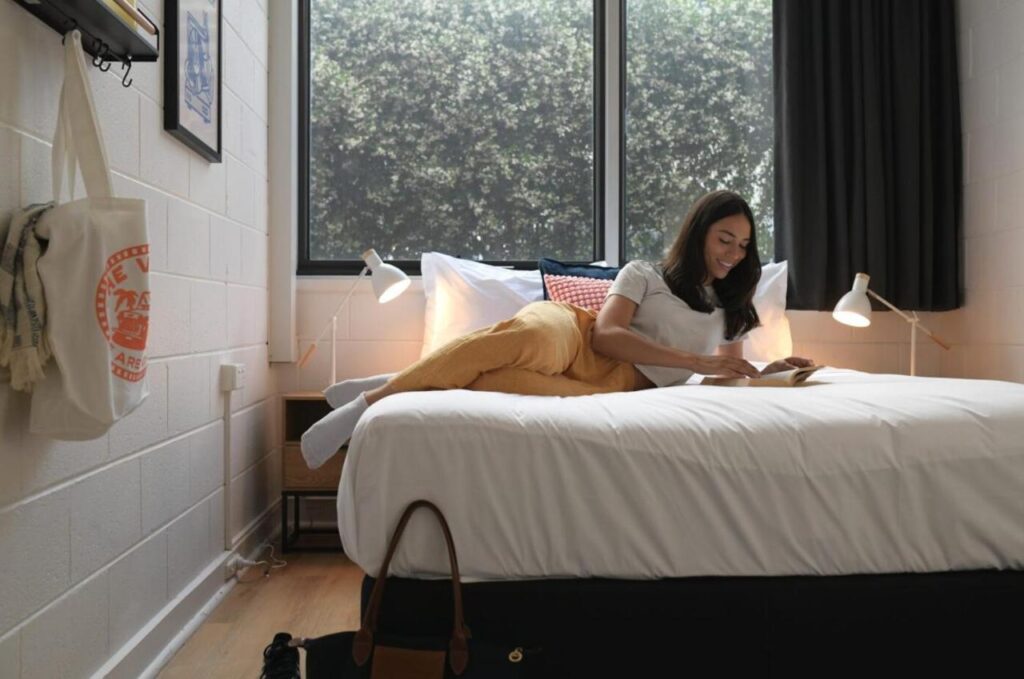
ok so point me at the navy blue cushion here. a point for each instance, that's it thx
(556, 268)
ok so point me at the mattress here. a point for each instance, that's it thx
(852, 473)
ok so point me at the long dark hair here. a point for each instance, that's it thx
(685, 270)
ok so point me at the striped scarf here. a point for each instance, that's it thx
(24, 349)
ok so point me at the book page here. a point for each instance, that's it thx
(783, 378)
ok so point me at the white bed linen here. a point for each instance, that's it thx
(857, 473)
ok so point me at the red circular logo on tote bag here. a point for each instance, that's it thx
(122, 309)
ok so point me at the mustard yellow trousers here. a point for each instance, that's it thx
(543, 350)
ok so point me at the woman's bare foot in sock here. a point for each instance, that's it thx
(321, 441)
(346, 391)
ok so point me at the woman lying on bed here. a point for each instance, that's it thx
(661, 323)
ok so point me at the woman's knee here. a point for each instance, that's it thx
(552, 342)
(546, 321)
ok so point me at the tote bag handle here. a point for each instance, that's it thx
(458, 648)
(78, 140)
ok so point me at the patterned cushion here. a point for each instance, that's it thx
(588, 293)
(557, 268)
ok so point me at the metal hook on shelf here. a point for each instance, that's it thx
(125, 80)
(107, 58)
(97, 48)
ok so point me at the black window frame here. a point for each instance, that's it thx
(309, 267)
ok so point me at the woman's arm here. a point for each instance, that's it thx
(613, 338)
(736, 349)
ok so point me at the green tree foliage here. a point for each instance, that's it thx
(466, 126)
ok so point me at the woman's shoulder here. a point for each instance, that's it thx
(642, 266)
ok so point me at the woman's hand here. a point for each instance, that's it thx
(790, 363)
(726, 366)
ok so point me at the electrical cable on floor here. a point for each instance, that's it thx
(268, 566)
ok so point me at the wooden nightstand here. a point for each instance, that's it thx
(302, 410)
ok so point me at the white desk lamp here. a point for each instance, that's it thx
(388, 283)
(855, 309)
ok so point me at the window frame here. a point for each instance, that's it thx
(310, 267)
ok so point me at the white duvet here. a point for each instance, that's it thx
(855, 473)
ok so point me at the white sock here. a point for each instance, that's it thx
(322, 440)
(348, 390)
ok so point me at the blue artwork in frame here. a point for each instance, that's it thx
(193, 68)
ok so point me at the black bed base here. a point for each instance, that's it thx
(966, 623)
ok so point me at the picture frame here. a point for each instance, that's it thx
(193, 74)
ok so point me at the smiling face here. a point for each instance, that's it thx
(726, 245)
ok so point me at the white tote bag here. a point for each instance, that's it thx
(95, 275)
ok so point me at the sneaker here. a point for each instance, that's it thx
(280, 661)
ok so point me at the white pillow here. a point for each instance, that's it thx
(772, 340)
(463, 296)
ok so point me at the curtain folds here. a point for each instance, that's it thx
(868, 150)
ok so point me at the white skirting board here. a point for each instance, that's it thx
(153, 646)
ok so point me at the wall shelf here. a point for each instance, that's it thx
(105, 34)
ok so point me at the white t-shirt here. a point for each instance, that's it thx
(668, 320)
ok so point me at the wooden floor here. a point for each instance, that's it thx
(315, 594)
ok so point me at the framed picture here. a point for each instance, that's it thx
(193, 68)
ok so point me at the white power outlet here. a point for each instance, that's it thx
(232, 376)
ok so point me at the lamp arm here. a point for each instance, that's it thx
(887, 303)
(309, 352)
(935, 338)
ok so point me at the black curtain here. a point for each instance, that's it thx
(868, 150)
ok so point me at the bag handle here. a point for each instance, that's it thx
(458, 648)
(78, 138)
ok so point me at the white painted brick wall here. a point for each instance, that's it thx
(105, 517)
(207, 185)
(10, 655)
(188, 546)
(69, 638)
(170, 316)
(217, 519)
(97, 536)
(165, 484)
(226, 250)
(188, 239)
(256, 486)
(35, 566)
(10, 419)
(54, 461)
(206, 461)
(164, 161)
(252, 430)
(991, 341)
(139, 588)
(209, 316)
(187, 393)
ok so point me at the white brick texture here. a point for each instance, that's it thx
(991, 339)
(95, 536)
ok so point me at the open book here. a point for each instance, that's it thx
(784, 378)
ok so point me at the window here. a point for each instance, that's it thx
(698, 115)
(479, 129)
(463, 127)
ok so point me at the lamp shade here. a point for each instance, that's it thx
(855, 308)
(388, 281)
